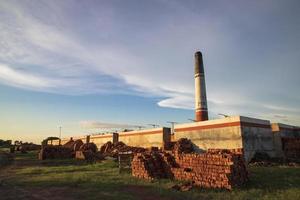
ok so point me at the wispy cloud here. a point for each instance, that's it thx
(21, 79)
(179, 101)
(75, 48)
(282, 108)
(103, 125)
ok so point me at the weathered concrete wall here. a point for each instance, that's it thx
(283, 131)
(143, 138)
(286, 130)
(277, 140)
(220, 133)
(257, 137)
(251, 134)
(146, 138)
(99, 140)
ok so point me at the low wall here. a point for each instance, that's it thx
(146, 138)
(253, 135)
(142, 138)
(213, 134)
(99, 140)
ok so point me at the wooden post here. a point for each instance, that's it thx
(115, 138)
(88, 138)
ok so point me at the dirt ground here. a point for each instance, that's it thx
(8, 191)
(13, 192)
(27, 178)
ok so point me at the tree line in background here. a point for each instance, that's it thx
(5, 143)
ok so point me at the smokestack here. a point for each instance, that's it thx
(200, 91)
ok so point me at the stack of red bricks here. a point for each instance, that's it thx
(55, 152)
(226, 151)
(89, 147)
(110, 149)
(148, 165)
(183, 145)
(213, 169)
(291, 147)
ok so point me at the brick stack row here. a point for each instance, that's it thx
(88, 147)
(74, 145)
(213, 169)
(55, 152)
(110, 149)
(227, 151)
(23, 147)
(148, 165)
(183, 145)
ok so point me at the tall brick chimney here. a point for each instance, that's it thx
(200, 89)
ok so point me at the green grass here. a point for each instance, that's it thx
(102, 181)
(5, 158)
(4, 149)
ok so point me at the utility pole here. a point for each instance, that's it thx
(172, 127)
(139, 127)
(153, 125)
(60, 135)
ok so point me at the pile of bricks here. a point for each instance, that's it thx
(149, 165)
(89, 156)
(110, 149)
(88, 147)
(88, 152)
(24, 147)
(107, 147)
(71, 149)
(291, 148)
(212, 170)
(74, 145)
(215, 168)
(55, 152)
(183, 145)
(227, 151)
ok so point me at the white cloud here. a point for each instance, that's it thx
(21, 79)
(103, 125)
(54, 51)
(44, 48)
(185, 102)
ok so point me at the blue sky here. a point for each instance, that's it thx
(131, 62)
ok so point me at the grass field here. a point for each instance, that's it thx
(5, 158)
(28, 178)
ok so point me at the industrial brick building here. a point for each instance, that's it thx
(253, 135)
